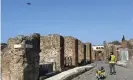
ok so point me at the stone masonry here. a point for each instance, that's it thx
(21, 60)
(115, 51)
(70, 51)
(80, 51)
(88, 52)
(52, 51)
(107, 50)
(23, 56)
(130, 62)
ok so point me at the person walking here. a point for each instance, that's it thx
(112, 61)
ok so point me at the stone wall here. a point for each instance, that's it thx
(114, 51)
(52, 51)
(93, 56)
(21, 60)
(70, 51)
(89, 51)
(85, 58)
(80, 51)
(24, 54)
(3, 49)
(130, 52)
(107, 50)
(130, 62)
(112, 48)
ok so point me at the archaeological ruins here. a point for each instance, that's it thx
(29, 57)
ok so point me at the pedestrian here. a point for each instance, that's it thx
(112, 62)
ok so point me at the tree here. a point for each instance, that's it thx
(3, 45)
(123, 38)
(116, 43)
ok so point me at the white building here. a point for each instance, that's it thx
(98, 48)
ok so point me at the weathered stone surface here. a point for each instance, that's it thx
(131, 41)
(130, 52)
(105, 51)
(130, 44)
(21, 63)
(71, 51)
(114, 51)
(80, 51)
(108, 48)
(89, 52)
(52, 51)
(130, 62)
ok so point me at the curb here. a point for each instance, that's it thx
(72, 73)
(121, 64)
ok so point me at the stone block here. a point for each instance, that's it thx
(71, 51)
(80, 51)
(115, 51)
(89, 54)
(21, 63)
(52, 51)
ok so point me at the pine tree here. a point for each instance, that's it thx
(123, 38)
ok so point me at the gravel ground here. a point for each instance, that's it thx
(122, 73)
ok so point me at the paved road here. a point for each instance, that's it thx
(122, 73)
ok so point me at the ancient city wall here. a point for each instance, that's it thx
(21, 60)
(70, 51)
(52, 51)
